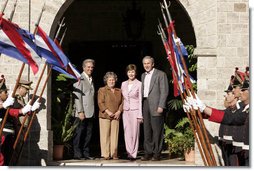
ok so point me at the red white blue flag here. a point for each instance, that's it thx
(54, 55)
(49, 50)
(13, 45)
(69, 70)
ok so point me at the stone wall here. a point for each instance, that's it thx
(222, 34)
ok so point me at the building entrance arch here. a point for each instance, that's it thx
(101, 30)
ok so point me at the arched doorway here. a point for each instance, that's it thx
(117, 33)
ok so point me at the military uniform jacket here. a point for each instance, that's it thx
(9, 122)
(230, 133)
(239, 118)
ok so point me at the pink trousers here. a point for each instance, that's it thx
(131, 132)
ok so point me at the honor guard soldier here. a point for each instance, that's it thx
(232, 137)
(6, 141)
(239, 117)
(19, 109)
(238, 129)
(226, 132)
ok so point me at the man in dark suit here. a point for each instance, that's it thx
(84, 104)
(155, 91)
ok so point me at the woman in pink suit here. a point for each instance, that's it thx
(132, 111)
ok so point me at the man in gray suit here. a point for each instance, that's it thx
(155, 91)
(84, 104)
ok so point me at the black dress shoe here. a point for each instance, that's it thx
(146, 157)
(156, 158)
(132, 159)
(89, 158)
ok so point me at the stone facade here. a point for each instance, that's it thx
(222, 37)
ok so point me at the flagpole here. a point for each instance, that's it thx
(189, 115)
(44, 86)
(193, 125)
(34, 113)
(210, 158)
(19, 76)
(31, 102)
(61, 41)
(13, 10)
(192, 91)
(61, 24)
(3, 9)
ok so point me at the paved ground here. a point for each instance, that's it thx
(121, 162)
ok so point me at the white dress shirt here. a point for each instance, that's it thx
(147, 82)
(88, 78)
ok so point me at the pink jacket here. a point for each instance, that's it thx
(132, 98)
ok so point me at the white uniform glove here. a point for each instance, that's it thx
(36, 105)
(186, 107)
(26, 108)
(192, 102)
(8, 102)
(201, 105)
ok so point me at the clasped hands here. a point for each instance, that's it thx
(115, 115)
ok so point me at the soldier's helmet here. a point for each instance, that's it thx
(246, 85)
(2, 84)
(247, 73)
(25, 84)
(230, 87)
(238, 79)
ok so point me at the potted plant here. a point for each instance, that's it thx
(180, 140)
(62, 118)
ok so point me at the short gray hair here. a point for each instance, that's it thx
(87, 61)
(107, 75)
(148, 57)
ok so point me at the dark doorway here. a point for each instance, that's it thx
(109, 56)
